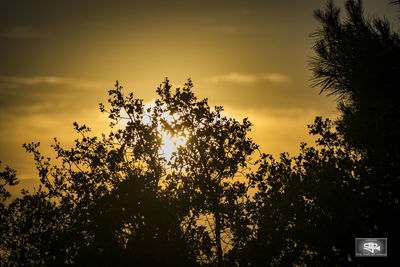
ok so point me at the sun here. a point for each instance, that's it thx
(170, 144)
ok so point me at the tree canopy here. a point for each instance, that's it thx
(119, 200)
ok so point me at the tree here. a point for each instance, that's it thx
(347, 185)
(307, 208)
(216, 149)
(359, 60)
(7, 178)
(119, 200)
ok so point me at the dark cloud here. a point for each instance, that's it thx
(47, 94)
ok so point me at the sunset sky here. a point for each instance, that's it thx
(59, 58)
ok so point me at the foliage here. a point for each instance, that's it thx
(309, 208)
(318, 191)
(358, 60)
(120, 200)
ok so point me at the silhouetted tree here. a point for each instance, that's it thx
(7, 178)
(359, 60)
(118, 200)
(308, 209)
(207, 166)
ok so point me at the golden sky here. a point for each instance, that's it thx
(59, 58)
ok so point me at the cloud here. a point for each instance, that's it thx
(22, 32)
(275, 77)
(18, 81)
(242, 78)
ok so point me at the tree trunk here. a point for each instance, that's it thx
(218, 238)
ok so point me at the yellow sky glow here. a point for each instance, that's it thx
(58, 60)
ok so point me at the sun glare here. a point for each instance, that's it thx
(170, 144)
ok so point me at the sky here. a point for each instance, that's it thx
(59, 58)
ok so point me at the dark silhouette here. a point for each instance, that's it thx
(119, 200)
(359, 60)
(309, 208)
(312, 206)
